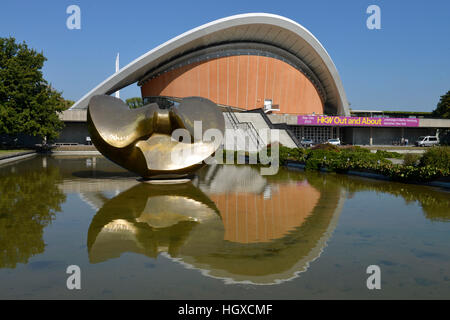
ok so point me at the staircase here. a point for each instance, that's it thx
(244, 128)
(280, 126)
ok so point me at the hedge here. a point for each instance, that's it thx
(433, 165)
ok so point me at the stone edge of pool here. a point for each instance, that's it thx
(14, 156)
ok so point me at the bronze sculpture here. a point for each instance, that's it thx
(142, 140)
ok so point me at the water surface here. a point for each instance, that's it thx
(229, 234)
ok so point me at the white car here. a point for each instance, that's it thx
(427, 141)
(336, 142)
(307, 142)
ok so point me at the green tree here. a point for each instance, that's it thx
(67, 103)
(28, 104)
(443, 107)
(134, 103)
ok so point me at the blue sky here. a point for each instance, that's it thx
(403, 66)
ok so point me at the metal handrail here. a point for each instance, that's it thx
(283, 126)
(249, 127)
(255, 134)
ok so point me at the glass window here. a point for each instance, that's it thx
(163, 102)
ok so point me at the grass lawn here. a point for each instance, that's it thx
(7, 152)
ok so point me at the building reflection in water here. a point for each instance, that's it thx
(231, 224)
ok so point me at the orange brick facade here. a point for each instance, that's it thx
(240, 81)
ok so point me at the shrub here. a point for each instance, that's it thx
(313, 164)
(435, 165)
(286, 153)
(321, 154)
(410, 173)
(297, 154)
(325, 146)
(354, 149)
(388, 154)
(438, 157)
(411, 159)
(342, 161)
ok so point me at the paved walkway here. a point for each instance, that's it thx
(399, 149)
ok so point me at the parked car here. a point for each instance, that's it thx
(306, 142)
(336, 142)
(427, 141)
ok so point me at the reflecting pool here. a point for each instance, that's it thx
(229, 234)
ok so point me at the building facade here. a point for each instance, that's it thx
(258, 61)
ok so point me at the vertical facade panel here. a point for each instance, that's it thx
(223, 80)
(191, 79)
(277, 78)
(261, 82)
(204, 80)
(291, 94)
(242, 82)
(232, 81)
(252, 77)
(270, 79)
(213, 83)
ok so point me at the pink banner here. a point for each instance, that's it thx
(357, 121)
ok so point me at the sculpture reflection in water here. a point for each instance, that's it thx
(247, 230)
(148, 219)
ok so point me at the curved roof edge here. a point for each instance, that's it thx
(291, 36)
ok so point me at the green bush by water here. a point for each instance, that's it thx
(411, 159)
(389, 154)
(434, 164)
(438, 157)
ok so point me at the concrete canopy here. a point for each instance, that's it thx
(252, 27)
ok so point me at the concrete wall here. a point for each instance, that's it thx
(384, 136)
(434, 123)
(360, 136)
(21, 140)
(283, 118)
(74, 115)
(73, 132)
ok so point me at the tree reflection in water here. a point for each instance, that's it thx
(434, 202)
(29, 200)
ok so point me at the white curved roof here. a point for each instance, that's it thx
(257, 27)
